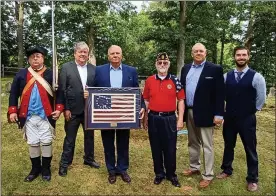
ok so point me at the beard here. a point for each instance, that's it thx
(243, 64)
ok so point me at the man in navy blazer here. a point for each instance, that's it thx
(115, 74)
(204, 87)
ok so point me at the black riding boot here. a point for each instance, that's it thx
(46, 171)
(36, 169)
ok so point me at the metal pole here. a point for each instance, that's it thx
(53, 47)
(3, 70)
(54, 84)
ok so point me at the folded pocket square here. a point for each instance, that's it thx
(208, 77)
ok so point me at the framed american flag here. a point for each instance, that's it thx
(113, 108)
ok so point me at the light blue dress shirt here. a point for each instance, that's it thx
(258, 83)
(116, 76)
(191, 82)
(35, 104)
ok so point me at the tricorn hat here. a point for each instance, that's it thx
(36, 49)
(162, 56)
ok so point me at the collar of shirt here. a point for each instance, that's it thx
(115, 69)
(80, 65)
(200, 65)
(244, 70)
(168, 76)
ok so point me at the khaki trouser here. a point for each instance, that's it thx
(200, 137)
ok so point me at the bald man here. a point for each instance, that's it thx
(117, 75)
(204, 86)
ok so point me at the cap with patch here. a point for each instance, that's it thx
(36, 49)
(162, 56)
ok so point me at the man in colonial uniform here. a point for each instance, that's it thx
(36, 113)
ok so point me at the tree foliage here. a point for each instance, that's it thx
(161, 26)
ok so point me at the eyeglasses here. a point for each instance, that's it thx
(164, 63)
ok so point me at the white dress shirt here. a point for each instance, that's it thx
(83, 74)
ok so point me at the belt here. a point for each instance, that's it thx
(189, 107)
(162, 113)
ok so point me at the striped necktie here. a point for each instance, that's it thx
(239, 74)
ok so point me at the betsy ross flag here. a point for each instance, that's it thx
(108, 108)
(112, 108)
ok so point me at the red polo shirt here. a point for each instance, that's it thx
(162, 94)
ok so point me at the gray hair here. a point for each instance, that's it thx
(114, 46)
(80, 45)
(199, 44)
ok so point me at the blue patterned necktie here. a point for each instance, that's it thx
(239, 74)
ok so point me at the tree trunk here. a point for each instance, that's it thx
(222, 47)
(249, 36)
(214, 51)
(181, 47)
(19, 11)
(91, 45)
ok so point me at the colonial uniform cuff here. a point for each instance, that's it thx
(12, 109)
(59, 107)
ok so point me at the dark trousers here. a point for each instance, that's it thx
(162, 132)
(122, 144)
(246, 128)
(71, 129)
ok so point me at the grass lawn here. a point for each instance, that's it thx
(82, 180)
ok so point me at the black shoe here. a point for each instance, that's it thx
(175, 182)
(46, 178)
(112, 178)
(125, 177)
(158, 180)
(31, 177)
(62, 171)
(92, 164)
(36, 170)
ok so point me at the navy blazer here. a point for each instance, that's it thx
(209, 94)
(102, 77)
(130, 77)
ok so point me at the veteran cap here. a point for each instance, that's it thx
(36, 49)
(162, 56)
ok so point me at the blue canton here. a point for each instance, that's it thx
(102, 102)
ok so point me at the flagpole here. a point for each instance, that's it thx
(54, 60)
(54, 63)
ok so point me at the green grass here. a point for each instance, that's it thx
(82, 180)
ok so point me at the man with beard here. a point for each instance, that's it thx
(245, 95)
(204, 87)
(160, 93)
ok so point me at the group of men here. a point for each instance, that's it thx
(201, 93)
